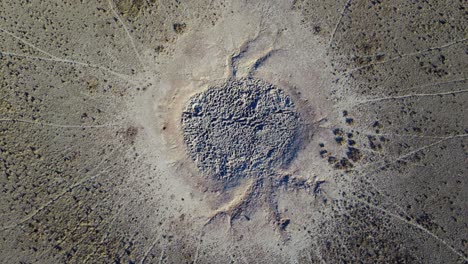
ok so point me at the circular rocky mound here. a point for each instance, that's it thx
(243, 128)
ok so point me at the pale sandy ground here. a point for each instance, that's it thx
(93, 164)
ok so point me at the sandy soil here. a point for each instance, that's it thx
(94, 167)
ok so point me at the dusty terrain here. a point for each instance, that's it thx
(346, 140)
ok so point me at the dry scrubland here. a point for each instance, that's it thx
(299, 131)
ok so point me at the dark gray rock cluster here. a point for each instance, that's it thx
(242, 128)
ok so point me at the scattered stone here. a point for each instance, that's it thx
(284, 223)
(240, 129)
